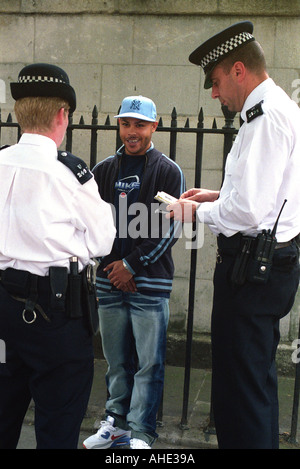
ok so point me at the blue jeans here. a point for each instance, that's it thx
(133, 328)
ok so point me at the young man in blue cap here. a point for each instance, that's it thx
(134, 282)
(50, 212)
(256, 276)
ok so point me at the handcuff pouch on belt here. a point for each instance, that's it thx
(76, 293)
(58, 278)
(74, 306)
(90, 301)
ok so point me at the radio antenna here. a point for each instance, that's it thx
(276, 223)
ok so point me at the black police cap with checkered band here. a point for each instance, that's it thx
(44, 80)
(215, 49)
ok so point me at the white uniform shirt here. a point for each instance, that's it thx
(262, 169)
(47, 216)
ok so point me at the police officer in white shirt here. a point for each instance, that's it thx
(257, 271)
(53, 222)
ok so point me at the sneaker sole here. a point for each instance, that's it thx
(121, 441)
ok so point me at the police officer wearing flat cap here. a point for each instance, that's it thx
(257, 270)
(53, 222)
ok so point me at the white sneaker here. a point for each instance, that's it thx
(107, 436)
(136, 443)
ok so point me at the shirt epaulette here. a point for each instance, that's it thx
(254, 112)
(76, 165)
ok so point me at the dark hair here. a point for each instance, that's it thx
(251, 55)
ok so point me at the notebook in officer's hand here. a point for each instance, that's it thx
(165, 198)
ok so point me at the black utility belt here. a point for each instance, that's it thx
(253, 256)
(74, 294)
(63, 287)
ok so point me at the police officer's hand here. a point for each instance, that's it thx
(120, 277)
(200, 195)
(183, 210)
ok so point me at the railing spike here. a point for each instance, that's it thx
(174, 118)
(95, 115)
(107, 122)
(200, 118)
(187, 123)
(81, 121)
(214, 125)
(229, 117)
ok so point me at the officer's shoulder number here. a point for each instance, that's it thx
(76, 165)
(254, 112)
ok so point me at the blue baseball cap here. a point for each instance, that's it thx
(138, 107)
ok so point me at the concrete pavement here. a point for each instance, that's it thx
(171, 433)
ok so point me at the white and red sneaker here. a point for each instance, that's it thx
(107, 436)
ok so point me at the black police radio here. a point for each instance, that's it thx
(254, 259)
(260, 262)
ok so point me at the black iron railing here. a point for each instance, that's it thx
(228, 132)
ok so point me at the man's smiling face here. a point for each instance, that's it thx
(136, 135)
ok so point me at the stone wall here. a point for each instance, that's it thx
(115, 48)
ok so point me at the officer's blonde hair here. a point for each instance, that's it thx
(36, 114)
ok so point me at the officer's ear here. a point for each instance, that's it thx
(238, 71)
(61, 116)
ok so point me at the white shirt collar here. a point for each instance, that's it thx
(256, 96)
(41, 141)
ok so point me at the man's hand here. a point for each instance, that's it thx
(120, 277)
